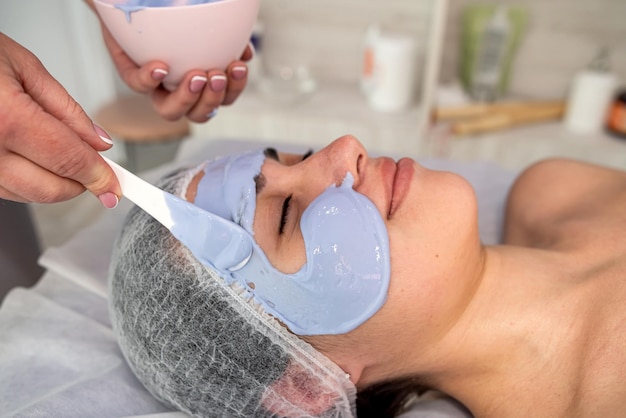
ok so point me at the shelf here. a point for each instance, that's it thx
(520, 147)
(332, 111)
(336, 110)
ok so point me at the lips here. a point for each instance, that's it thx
(401, 182)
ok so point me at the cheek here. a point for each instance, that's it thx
(427, 237)
(285, 257)
(419, 288)
(291, 257)
(437, 205)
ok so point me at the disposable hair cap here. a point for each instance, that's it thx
(202, 346)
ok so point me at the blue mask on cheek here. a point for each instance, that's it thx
(346, 275)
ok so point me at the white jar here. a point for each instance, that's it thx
(590, 96)
(589, 101)
(390, 82)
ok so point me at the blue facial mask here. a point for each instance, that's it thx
(131, 6)
(346, 275)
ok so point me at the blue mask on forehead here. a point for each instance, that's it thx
(346, 275)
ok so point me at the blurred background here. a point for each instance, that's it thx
(456, 79)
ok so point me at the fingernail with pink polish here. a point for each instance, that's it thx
(109, 200)
(197, 83)
(159, 74)
(218, 83)
(252, 49)
(102, 134)
(239, 72)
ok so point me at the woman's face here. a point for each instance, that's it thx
(432, 222)
(430, 217)
(423, 210)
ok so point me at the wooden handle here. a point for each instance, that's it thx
(482, 109)
(442, 114)
(503, 120)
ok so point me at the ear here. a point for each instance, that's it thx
(298, 392)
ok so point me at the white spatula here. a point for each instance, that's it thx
(212, 239)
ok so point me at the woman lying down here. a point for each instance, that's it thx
(368, 284)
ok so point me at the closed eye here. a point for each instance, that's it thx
(284, 214)
(287, 203)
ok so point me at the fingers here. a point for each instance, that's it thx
(211, 98)
(248, 53)
(48, 145)
(42, 89)
(199, 94)
(43, 159)
(17, 174)
(142, 79)
(178, 103)
(8, 195)
(238, 78)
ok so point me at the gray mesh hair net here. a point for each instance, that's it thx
(201, 346)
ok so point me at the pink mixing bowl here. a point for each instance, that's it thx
(203, 36)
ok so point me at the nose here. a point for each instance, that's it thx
(345, 154)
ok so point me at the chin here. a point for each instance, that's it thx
(439, 215)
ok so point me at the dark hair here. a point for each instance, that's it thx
(387, 399)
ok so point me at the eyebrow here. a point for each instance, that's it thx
(260, 180)
(271, 153)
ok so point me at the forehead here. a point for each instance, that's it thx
(289, 158)
(227, 187)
